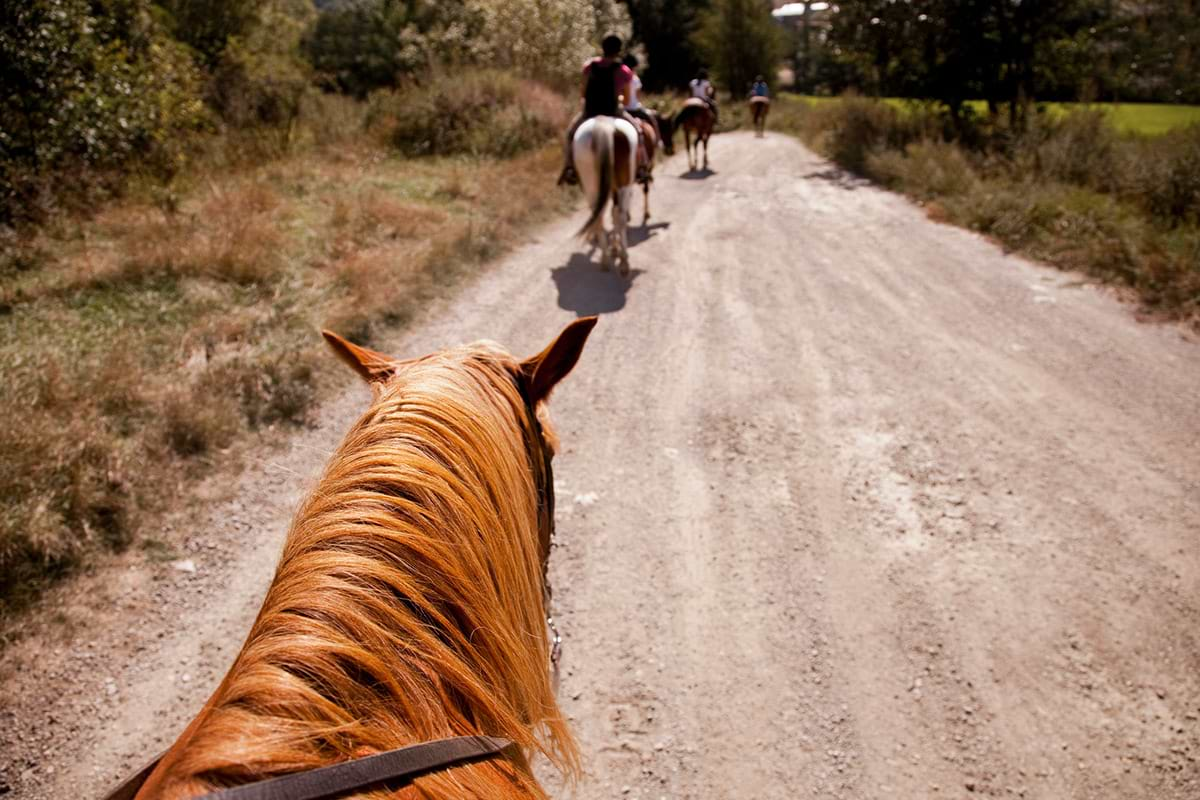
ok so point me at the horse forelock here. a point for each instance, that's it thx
(407, 604)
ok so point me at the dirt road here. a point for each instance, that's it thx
(852, 505)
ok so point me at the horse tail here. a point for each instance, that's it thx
(602, 142)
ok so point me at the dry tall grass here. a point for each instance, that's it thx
(140, 344)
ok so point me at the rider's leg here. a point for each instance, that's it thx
(568, 172)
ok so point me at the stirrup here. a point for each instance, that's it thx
(568, 177)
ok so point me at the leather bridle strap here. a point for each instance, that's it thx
(393, 767)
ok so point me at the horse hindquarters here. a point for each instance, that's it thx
(593, 150)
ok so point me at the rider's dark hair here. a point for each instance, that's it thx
(630, 60)
(611, 45)
(702, 74)
(759, 79)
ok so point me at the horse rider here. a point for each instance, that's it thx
(760, 88)
(633, 104)
(701, 87)
(605, 81)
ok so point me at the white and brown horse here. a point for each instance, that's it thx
(605, 150)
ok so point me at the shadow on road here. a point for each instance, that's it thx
(637, 235)
(586, 289)
(840, 178)
(697, 174)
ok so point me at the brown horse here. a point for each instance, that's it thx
(646, 158)
(408, 602)
(697, 119)
(759, 108)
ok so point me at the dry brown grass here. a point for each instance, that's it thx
(141, 344)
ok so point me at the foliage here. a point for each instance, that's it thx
(208, 25)
(1011, 53)
(740, 40)
(479, 113)
(363, 45)
(88, 87)
(547, 40)
(666, 28)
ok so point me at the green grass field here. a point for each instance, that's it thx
(1148, 119)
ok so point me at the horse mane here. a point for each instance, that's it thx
(407, 605)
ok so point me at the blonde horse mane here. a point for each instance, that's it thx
(408, 602)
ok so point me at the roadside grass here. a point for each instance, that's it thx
(1149, 119)
(1072, 191)
(142, 344)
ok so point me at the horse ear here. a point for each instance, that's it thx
(547, 368)
(371, 365)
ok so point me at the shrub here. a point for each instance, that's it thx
(1168, 183)
(927, 169)
(478, 113)
(87, 91)
(856, 128)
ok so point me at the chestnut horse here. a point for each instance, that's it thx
(408, 602)
(605, 150)
(696, 118)
(647, 157)
(759, 108)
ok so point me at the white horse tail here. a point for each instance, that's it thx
(603, 132)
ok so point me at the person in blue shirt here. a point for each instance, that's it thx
(760, 88)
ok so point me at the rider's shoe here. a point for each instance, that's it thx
(643, 174)
(568, 177)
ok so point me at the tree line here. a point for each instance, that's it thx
(1005, 52)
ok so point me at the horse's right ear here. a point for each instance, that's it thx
(374, 367)
(547, 368)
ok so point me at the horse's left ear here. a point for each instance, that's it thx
(547, 368)
(373, 366)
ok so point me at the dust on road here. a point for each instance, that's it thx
(851, 505)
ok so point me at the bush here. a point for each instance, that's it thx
(478, 113)
(87, 92)
(858, 128)
(1168, 182)
(927, 169)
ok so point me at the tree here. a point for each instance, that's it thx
(666, 29)
(741, 40)
(1003, 51)
(87, 87)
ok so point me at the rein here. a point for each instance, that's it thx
(395, 768)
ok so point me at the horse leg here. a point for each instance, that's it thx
(705, 151)
(646, 197)
(620, 225)
(687, 142)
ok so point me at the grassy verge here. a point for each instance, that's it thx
(1148, 119)
(139, 344)
(1071, 191)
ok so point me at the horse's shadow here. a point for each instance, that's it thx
(586, 289)
(697, 174)
(636, 236)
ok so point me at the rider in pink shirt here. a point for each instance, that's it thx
(601, 95)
